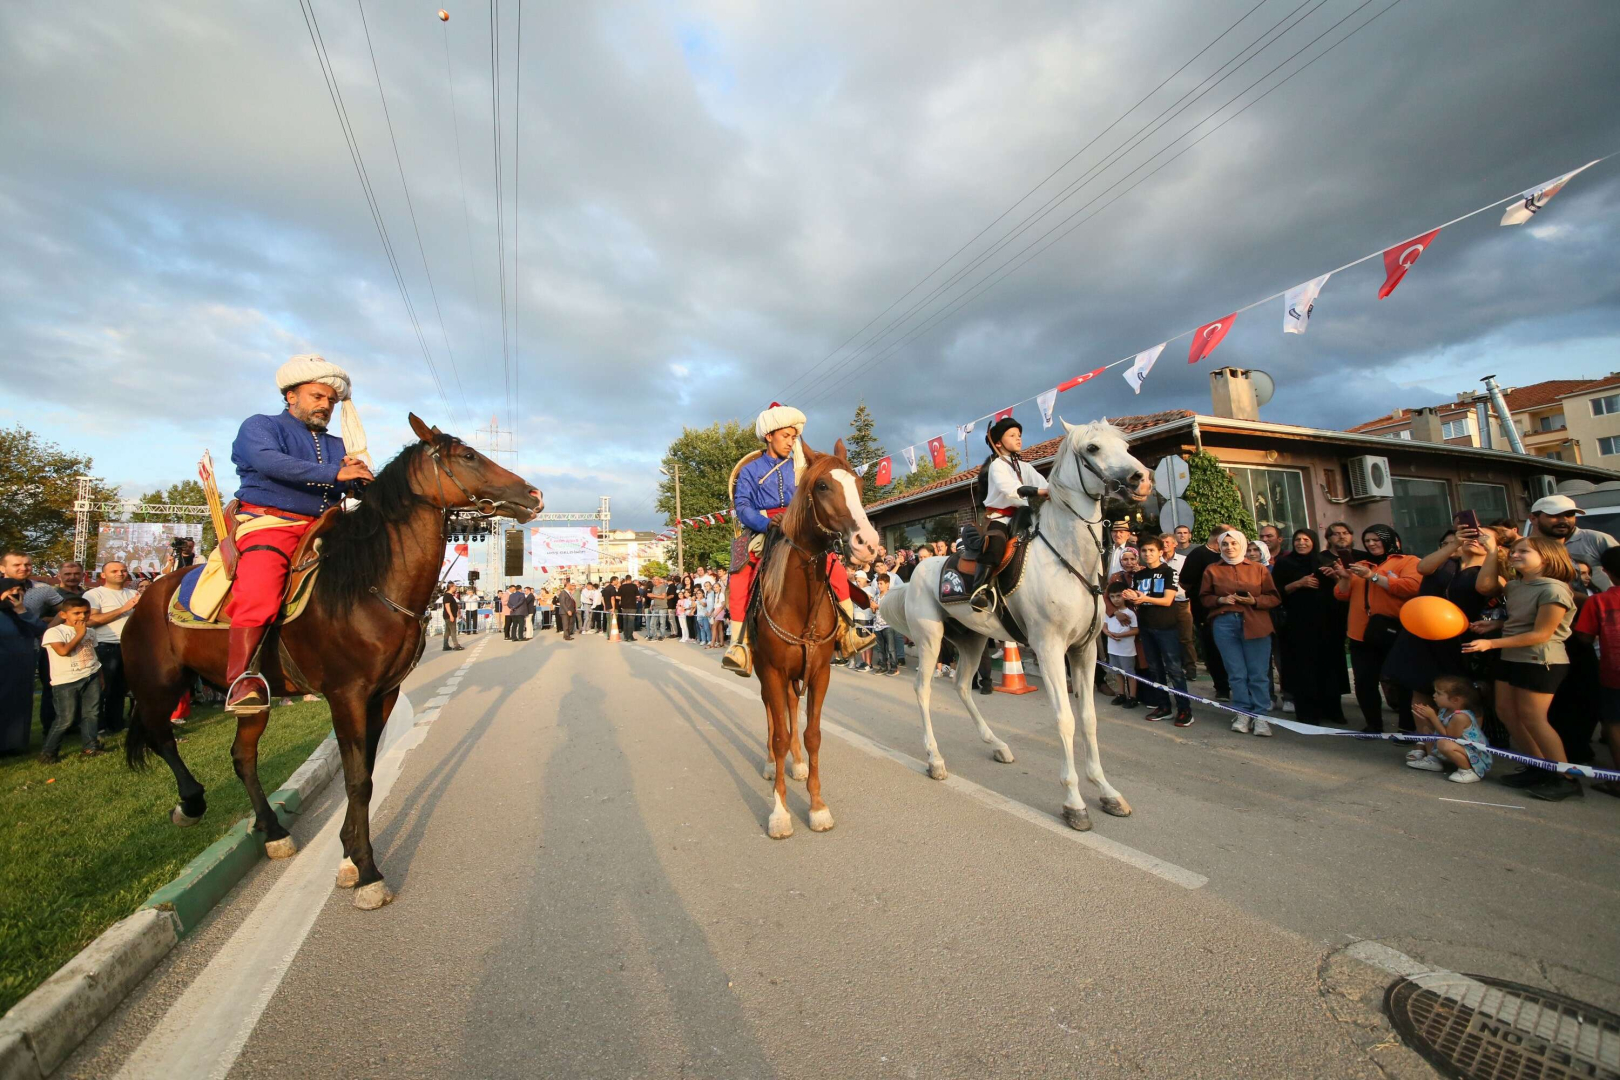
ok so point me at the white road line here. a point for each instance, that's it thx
(205, 1029)
(1473, 802)
(1113, 849)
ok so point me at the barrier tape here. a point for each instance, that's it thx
(1562, 767)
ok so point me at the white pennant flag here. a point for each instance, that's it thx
(910, 454)
(860, 470)
(1141, 366)
(1047, 402)
(1528, 203)
(964, 430)
(1299, 301)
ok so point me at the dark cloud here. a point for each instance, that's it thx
(714, 196)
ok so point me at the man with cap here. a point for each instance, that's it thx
(1000, 478)
(1554, 518)
(764, 487)
(291, 472)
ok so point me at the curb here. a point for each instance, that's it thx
(42, 1029)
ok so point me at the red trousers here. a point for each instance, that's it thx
(261, 576)
(743, 580)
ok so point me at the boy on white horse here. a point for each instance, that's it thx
(1000, 479)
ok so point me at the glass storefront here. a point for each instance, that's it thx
(911, 533)
(1422, 514)
(1489, 501)
(1273, 496)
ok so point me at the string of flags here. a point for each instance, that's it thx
(1298, 304)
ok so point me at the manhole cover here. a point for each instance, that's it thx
(1474, 1027)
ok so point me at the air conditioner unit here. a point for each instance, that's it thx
(1543, 485)
(1369, 478)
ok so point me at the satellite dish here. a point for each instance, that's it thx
(1264, 386)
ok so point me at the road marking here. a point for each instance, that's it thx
(1113, 849)
(1472, 802)
(205, 1029)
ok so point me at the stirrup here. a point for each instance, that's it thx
(244, 707)
(742, 665)
(984, 597)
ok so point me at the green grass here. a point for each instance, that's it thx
(85, 841)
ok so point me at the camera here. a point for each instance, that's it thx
(178, 545)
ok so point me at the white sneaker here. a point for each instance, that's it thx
(1427, 764)
(1288, 706)
(1413, 755)
(1241, 725)
(1465, 776)
(1261, 727)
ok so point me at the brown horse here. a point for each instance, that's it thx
(361, 635)
(798, 620)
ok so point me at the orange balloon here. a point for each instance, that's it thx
(444, 16)
(1433, 618)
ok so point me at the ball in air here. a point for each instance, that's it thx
(444, 16)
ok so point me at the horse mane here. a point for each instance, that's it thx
(795, 523)
(357, 550)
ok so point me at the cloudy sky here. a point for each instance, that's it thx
(704, 201)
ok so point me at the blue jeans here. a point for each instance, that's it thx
(1248, 663)
(77, 702)
(1162, 648)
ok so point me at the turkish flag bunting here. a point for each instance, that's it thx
(936, 450)
(885, 472)
(1002, 415)
(1399, 259)
(1070, 384)
(1206, 337)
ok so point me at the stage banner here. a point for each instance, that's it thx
(563, 547)
(453, 570)
(142, 546)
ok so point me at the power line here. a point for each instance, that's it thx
(517, 223)
(1237, 62)
(411, 207)
(461, 176)
(329, 76)
(1091, 142)
(986, 283)
(500, 196)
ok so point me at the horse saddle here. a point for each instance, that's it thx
(200, 601)
(956, 578)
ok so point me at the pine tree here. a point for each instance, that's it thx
(863, 448)
(1214, 498)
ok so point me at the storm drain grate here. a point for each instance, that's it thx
(1474, 1027)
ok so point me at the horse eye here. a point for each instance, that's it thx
(821, 485)
(1092, 448)
(469, 455)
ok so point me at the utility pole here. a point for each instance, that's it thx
(680, 539)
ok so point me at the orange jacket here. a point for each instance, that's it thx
(1401, 584)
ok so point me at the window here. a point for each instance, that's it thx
(1554, 455)
(1407, 435)
(1273, 496)
(911, 533)
(1489, 501)
(1608, 445)
(1606, 406)
(1457, 429)
(1422, 511)
(1550, 423)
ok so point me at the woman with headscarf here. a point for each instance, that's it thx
(1376, 588)
(1311, 648)
(1239, 596)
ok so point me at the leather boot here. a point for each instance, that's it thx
(852, 641)
(740, 657)
(248, 692)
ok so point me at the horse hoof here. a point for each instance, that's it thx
(800, 771)
(373, 896)
(348, 875)
(769, 772)
(285, 848)
(821, 820)
(779, 828)
(181, 818)
(936, 770)
(1077, 818)
(1004, 755)
(1117, 807)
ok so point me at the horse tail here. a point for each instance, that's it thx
(135, 745)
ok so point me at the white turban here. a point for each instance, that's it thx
(779, 416)
(308, 368)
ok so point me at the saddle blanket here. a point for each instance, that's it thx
(205, 591)
(955, 587)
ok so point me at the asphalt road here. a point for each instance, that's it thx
(585, 889)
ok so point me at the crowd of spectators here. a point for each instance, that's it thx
(1537, 668)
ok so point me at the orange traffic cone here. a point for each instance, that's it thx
(613, 626)
(1012, 671)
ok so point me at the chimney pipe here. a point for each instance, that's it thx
(1232, 394)
(1503, 417)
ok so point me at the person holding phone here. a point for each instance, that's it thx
(1376, 588)
(1239, 596)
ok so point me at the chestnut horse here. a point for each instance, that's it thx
(797, 620)
(360, 636)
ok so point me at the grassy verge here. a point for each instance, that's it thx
(85, 841)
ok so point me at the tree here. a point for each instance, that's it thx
(38, 478)
(184, 493)
(1213, 496)
(925, 474)
(863, 447)
(706, 457)
(652, 568)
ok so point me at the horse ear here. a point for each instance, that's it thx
(1067, 427)
(809, 454)
(839, 451)
(423, 432)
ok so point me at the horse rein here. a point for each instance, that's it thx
(486, 506)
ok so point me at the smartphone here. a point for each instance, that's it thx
(1244, 596)
(1466, 519)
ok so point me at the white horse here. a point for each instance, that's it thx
(1058, 605)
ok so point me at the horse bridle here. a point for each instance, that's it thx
(493, 505)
